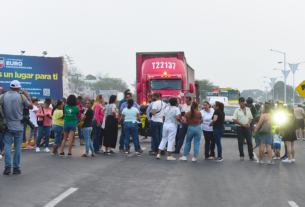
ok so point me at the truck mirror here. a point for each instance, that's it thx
(191, 88)
(138, 87)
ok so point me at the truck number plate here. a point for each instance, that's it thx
(169, 65)
(228, 128)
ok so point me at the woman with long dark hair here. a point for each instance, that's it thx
(111, 126)
(97, 123)
(58, 124)
(218, 129)
(265, 140)
(71, 112)
(193, 119)
(130, 115)
(209, 146)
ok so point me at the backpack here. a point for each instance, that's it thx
(3, 125)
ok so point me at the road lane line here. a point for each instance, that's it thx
(132, 154)
(255, 157)
(61, 197)
(292, 204)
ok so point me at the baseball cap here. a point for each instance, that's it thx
(15, 84)
(47, 100)
(241, 99)
(34, 99)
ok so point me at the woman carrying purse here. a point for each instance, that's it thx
(265, 138)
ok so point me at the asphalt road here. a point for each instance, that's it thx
(144, 181)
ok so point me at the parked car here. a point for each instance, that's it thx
(229, 125)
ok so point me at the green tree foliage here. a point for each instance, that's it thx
(110, 84)
(259, 95)
(279, 93)
(90, 77)
(204, 87)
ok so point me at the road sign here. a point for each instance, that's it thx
(301, 89)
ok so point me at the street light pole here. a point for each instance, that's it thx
(285, 73)
(272, 84)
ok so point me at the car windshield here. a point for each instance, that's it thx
(157, 84)
(229, 110)
(230, 94)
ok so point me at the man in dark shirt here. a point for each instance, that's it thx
(26, 112)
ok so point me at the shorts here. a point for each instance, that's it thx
(277, 146)
(69, 127)
(300, 124)
(33, 133)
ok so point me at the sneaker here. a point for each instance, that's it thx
(183, 158)
(241, 158)
(34, 147)
(82, 142)
(46, 149)
(29, 147)
(16, 171)
(292, 160)
(253, 159)
(286, 161)
(55, 153)
(158, 156)
(261, 162)
(284, 157)
(62, 154)
(138, 154)
(7, 171)
(210, 158)
(126, 153)
(194, 159)
(37, 149)
(218, 160)
(270, 162)
(111, 152)
(298, 138)
(105, 153)
(69, 154)
(171, 158)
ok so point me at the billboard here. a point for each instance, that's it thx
(40, 76)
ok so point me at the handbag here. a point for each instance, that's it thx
(81, 124)
(40, 123)
(265, 128)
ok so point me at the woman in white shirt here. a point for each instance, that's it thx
(171, 119)
(209, 145)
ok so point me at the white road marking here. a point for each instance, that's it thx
(292, 204)
(132, 154)
(61, 197)
(255, 157)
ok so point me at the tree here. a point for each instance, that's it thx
(279, 93)
(90, 77)
(205, 86)
(72, 71)
(259, 94)
(110, 84)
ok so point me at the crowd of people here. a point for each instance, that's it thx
(171, 124)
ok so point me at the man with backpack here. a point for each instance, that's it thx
(11, 114)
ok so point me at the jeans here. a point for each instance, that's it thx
(25, 124)
(209, 146)
(217, 133)
(242, 133)
(1, 142)
(80, 135)
(181, 136)
(97, 133)
(122, 137)
(193, 132)
(46, 130)
(156, 133)
(87, 136)
(131, 129)
(58, 130)
(8, 135)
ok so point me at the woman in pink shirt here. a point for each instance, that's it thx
(97, 122)
(45, 115)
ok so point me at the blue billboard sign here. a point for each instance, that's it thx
(40, 76)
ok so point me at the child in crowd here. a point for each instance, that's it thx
(277, 143)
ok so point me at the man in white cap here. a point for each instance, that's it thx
(13, 103)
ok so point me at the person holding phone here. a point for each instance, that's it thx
(44, 114)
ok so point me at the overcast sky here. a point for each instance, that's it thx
(225, 41)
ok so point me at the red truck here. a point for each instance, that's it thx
(165, 72)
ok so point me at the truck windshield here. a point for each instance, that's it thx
(157, 84)
(230, 94)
